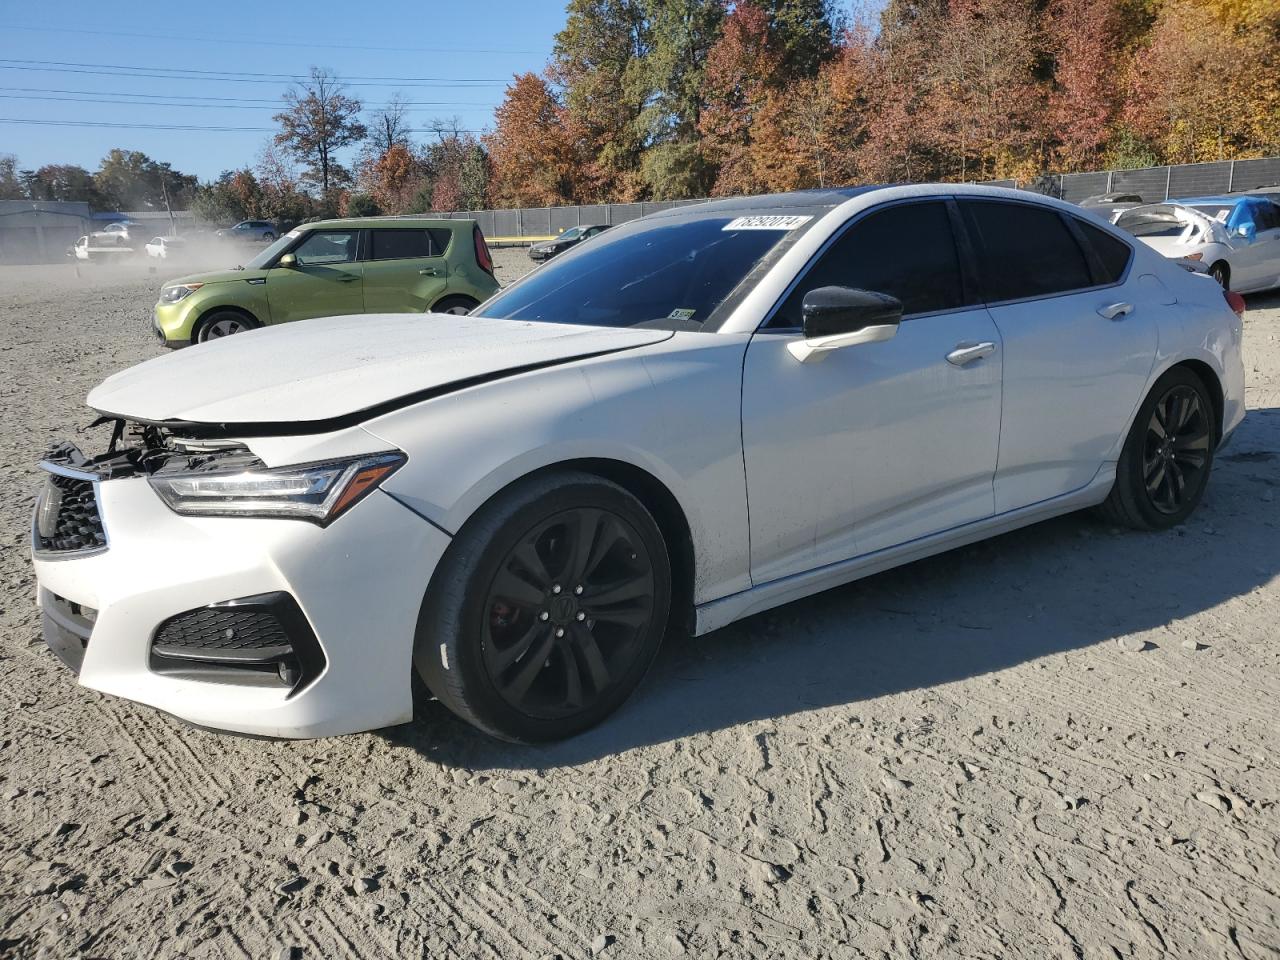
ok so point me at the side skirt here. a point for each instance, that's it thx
(765, 596)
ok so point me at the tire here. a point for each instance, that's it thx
(492, 611)
(1160, 480)
(1221, 271)
(457, 305)
(268, 237)
(223, 323)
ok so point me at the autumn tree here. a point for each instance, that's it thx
(530, 150)
(389, 126)
(1082, 38)
(319, 119)
(600, 63)
(1206, 81)
(395, 178)
(10, 185)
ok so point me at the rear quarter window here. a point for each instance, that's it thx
(1112, 252)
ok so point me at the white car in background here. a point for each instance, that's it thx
(1235, 238)
(697, 416)
(162, 248)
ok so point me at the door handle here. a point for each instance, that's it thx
(429, 272)
(969, 352)
(347, 278)
(1114, 311)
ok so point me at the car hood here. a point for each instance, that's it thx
(331, 369)
(218, 276)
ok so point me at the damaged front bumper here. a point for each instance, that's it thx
(262, 626)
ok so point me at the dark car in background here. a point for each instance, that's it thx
(260, 231)
(570, 238)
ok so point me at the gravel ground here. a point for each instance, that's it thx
(1064, 742)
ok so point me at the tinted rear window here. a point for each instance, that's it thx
(401, 245)
(1113, 253)
(907, 251)
(1024, 251)
(670, 275)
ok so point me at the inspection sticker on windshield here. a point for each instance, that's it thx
(681, 313)
(766, 223)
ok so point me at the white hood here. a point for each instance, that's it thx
(326, 368)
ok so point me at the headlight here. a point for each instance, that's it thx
(178, 292)
(318, 492)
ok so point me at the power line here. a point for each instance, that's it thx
(228, 76)
(189, 126)
(272, 43)
(275, 102)
(212, 106)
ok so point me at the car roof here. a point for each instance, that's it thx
(384, 222)
(1228, 201)
(795, 202)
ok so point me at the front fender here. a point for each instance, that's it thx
(671, 410)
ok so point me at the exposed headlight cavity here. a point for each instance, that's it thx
(318, 492)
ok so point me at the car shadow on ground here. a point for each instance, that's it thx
(1058, 586)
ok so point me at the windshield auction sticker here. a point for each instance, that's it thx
(766, 223)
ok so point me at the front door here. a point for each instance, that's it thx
(325, 282)
(405, 272)
(881, 443)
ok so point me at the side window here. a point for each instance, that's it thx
(327, 246)
(907, 251)
(401, 245)
(1266, 215)
(1113, 253)
(440, 237)
(1024, 250)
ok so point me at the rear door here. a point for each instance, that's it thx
(326, 281)
(405, 271)
(879, 443)
(1266, 244)
(1079, 335)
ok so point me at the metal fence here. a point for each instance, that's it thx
(1151, 183)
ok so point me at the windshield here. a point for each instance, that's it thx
(265, 257)
(571, 234)
(1214, 211)
(664, 274)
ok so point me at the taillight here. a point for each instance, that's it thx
(482, 253)
(1235, 302)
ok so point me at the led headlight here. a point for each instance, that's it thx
(318, 492)
(178, 292)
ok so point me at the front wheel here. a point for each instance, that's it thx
(547, 609)
(1165, 462)
(221, 324)
(1222, 273)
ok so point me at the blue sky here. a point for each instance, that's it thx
(93, 44)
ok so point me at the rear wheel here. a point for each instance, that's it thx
(457, 305)
(547, 609)
(1221, 272)
(1165, 462)
(223, 323)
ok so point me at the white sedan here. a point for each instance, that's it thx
(162, 248)
(697, 416)
(1236, 239)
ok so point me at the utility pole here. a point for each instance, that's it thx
(164, 190)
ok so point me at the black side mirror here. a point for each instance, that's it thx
(837, 317)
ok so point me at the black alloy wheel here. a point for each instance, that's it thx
(568, 612)
(547, 609)
(1163, 468)
(1177, 449)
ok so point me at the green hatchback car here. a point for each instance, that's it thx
(331, 268)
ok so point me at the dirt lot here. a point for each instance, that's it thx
(1064, 742)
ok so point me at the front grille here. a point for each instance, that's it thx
(67, 516)
(218, 633)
